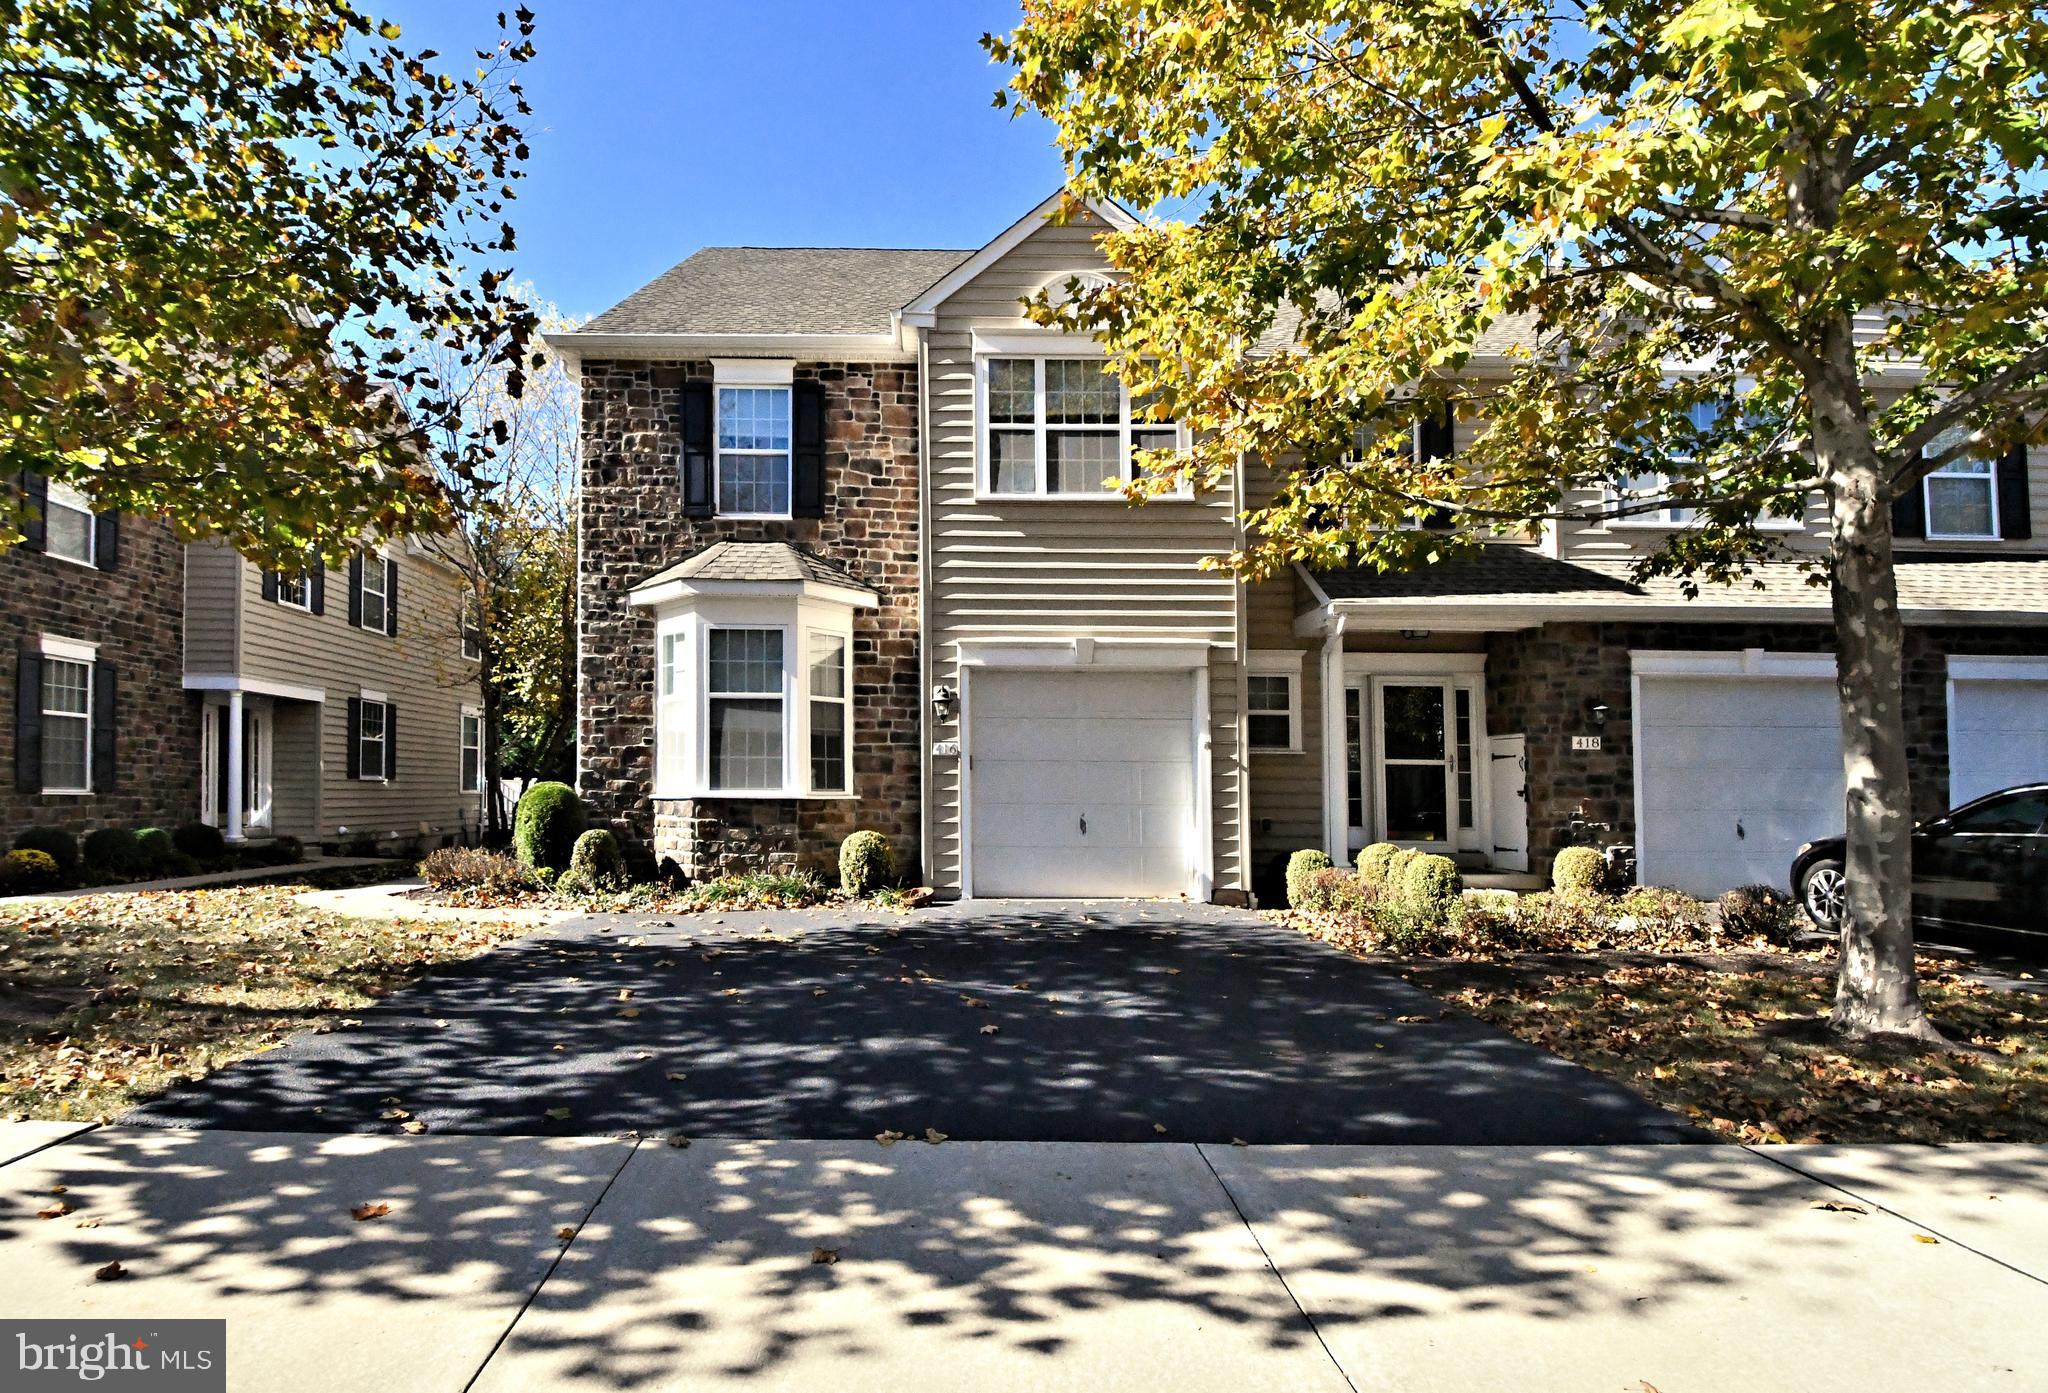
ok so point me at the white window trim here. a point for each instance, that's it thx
(58, 495)
(305, 580)
(373, 561)
(682, 750)
(85, 655)
(844, 701)
(1038, 352)
(365, 699)
(1989, 478)
(1662, 520)
(462, 747)
(757, 373)
(1277, 662)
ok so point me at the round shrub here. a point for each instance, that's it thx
(289, 851)
(1579, 870)
(597, 860)
(1372, 863)
(546, 825)
(866, 863)
(26, 871)
(112, 851)
(1430, 889)
(54, 842)
(155, 850)
(1397, 869)
(201, 841)
(1757, 911)
(1299, 867)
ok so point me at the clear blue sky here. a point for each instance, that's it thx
(662, 126)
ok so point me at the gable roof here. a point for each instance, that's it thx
(779, 290)
(918, 310)
(768, 562)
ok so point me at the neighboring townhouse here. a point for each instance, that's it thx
(161, 683)
(792, 454)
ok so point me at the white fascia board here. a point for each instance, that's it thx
(260, 686)
(1740, 662)
(1035, 343)
(577, 345)
(753, 372)
(1085, 652)
(679, 592)
(917, 314)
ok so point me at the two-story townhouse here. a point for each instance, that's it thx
(157, 682)
(789, 454)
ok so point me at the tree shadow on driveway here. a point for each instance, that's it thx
(1124, 1022)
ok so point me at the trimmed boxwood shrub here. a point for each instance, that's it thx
(155, 851)
(545, 828)
(866, 863)
(1757, 911)
(1372, 863)
(112, 851)
(595, 863)
(1579, 870)
(27, 871)
(1299, 867)
(201, 841)
(1431, 889)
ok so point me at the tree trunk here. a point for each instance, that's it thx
(1877, 991)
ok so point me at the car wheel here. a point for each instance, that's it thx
(1822, 892)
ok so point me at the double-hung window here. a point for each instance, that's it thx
(744, 710)
(371, 736)
(1702, 418)
(295, 590)
(1061, 428)
(472, 750)
(68, 525)
(1272, 700)
(830, 709)
(753, 452)
(67, 725)
(373, 592)
(1962, 497)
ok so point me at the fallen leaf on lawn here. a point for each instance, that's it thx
(888, 1138)
(990, 1029)
(394, 1115)
(88, 1222)
(366, 1211)
(415, 1127)
(558, 1114)
(824, 1256)
(112, 1272)
(55, 1211)
(1411, 1020)
(60, 1189)
(1924, 1238)
(1838, 1207)
(679, 1141)
(934, 1135)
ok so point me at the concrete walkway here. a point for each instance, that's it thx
(390, 901)
(587, 1263)
(209, 880)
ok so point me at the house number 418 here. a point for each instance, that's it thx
(1585, 742)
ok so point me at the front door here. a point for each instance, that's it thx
(1417, 767)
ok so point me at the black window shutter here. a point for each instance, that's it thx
(35, 490)
(807, 450)
(355, 738)
(269, 584)
(391, 596)
(697, 450)
(316, 585)
(355, 591)
(1437, 442)
(28, 722)
(1909, 511)
(106, 540)
(2015, 507)
(390, 740)
(103, 703)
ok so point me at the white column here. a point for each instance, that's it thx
(1336, 769)
(234, 781)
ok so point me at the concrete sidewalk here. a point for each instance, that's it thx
(1043, 1265)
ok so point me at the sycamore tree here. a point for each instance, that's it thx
(513, 540)
(216, 219)
(1775, 250)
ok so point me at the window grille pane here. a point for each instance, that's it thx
(828, 746)
(1464, 738)
(1268, 731)
(746, 660)
(1013, 462)
(68, 532)
(64, 742)
(1959, 506)
(1011, 394)
(66, 686)
(753, 418)
(668, 665)
(373, 720)
(828, 666)
(1354, 757)
(1082, 461)
(1267, 692)
(1080, 391)
(1151, 440)
(753, 483)
(746, 744)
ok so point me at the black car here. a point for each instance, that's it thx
(1981, 866)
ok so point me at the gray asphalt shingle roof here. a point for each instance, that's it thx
(779, 290)
(755, 561)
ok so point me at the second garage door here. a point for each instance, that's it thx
(1998, 732)
(1082, 784)
(1734, 773)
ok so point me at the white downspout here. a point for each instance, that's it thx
(1336, 803)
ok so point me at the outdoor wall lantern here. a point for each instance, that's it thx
(944, 699)
(1596, 711)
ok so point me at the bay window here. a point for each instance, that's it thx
(744, 710)
(1061, 428)
(830, 709)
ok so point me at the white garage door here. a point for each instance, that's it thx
(1734, 772)
(1082, 783)
(1998, 736)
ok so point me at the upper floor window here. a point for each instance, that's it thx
(295, 590)
(1061, 428)
(753, 452)
(376, 593)
(472, 630)
(1703, 417)
(69, 524)
(1962, 500)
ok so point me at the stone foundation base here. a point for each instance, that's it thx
(711, 837)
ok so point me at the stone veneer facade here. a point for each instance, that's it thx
(631, 525)
(1539, 682)
(134, 613)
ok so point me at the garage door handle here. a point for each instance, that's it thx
(1084, 824)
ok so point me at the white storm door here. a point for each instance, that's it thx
(1417, 765)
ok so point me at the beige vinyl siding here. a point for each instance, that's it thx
(1286, 802)
(296, 776)
(1023, 569)
(421, 671)
(213, 590)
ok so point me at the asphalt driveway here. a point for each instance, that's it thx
(1030, 1022)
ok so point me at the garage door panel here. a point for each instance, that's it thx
(2001, 736)
(1096, 739)
(1066, 693)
